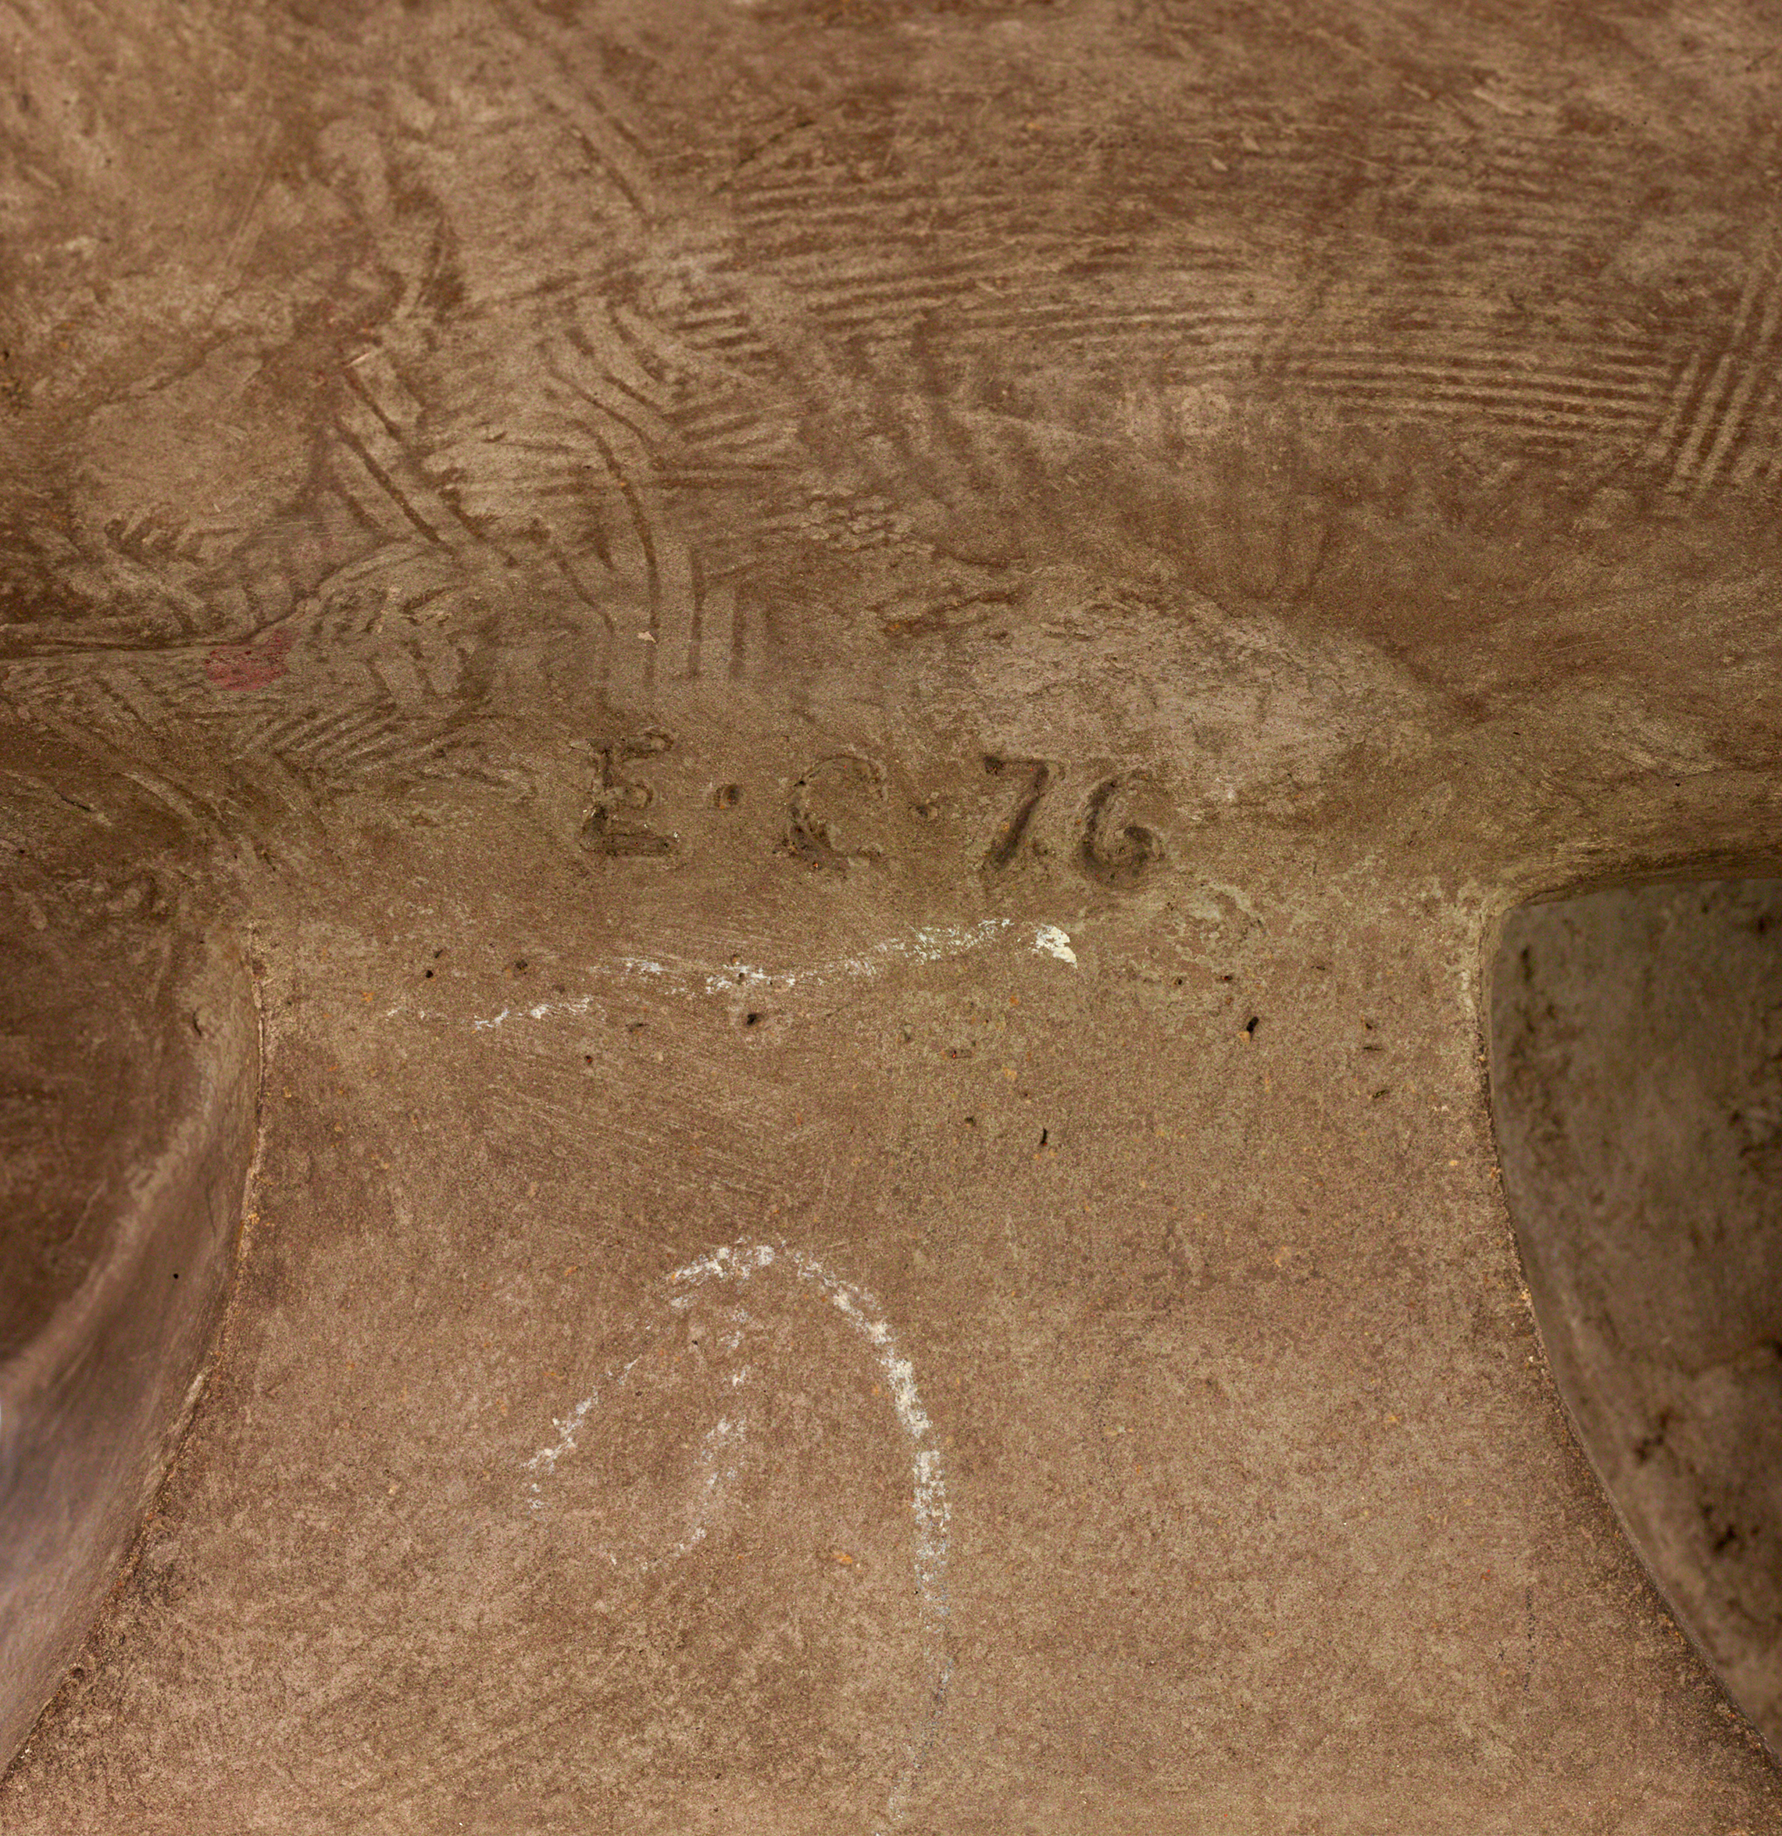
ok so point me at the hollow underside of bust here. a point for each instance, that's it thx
(791, 797)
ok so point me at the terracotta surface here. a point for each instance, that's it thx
(926, 644)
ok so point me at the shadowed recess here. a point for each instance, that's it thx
(1637, 1089)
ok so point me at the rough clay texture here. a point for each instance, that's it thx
(1637, 1045)
(927, 643)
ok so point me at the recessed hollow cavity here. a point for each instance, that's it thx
(1637, 1091)
(127, 1114)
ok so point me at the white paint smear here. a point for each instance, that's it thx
(1054, 940)
(930, 1514)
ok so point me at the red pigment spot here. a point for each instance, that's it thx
(248, 666)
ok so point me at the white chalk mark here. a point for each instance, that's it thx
(580, 1005)
(1054, 940)
(930, 1514)
(724, 1433)
(929, 1510)
(930, 944)
(567, 1429)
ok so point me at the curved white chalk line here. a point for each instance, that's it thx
(929, 1511)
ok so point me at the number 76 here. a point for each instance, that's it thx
(1109, 850)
